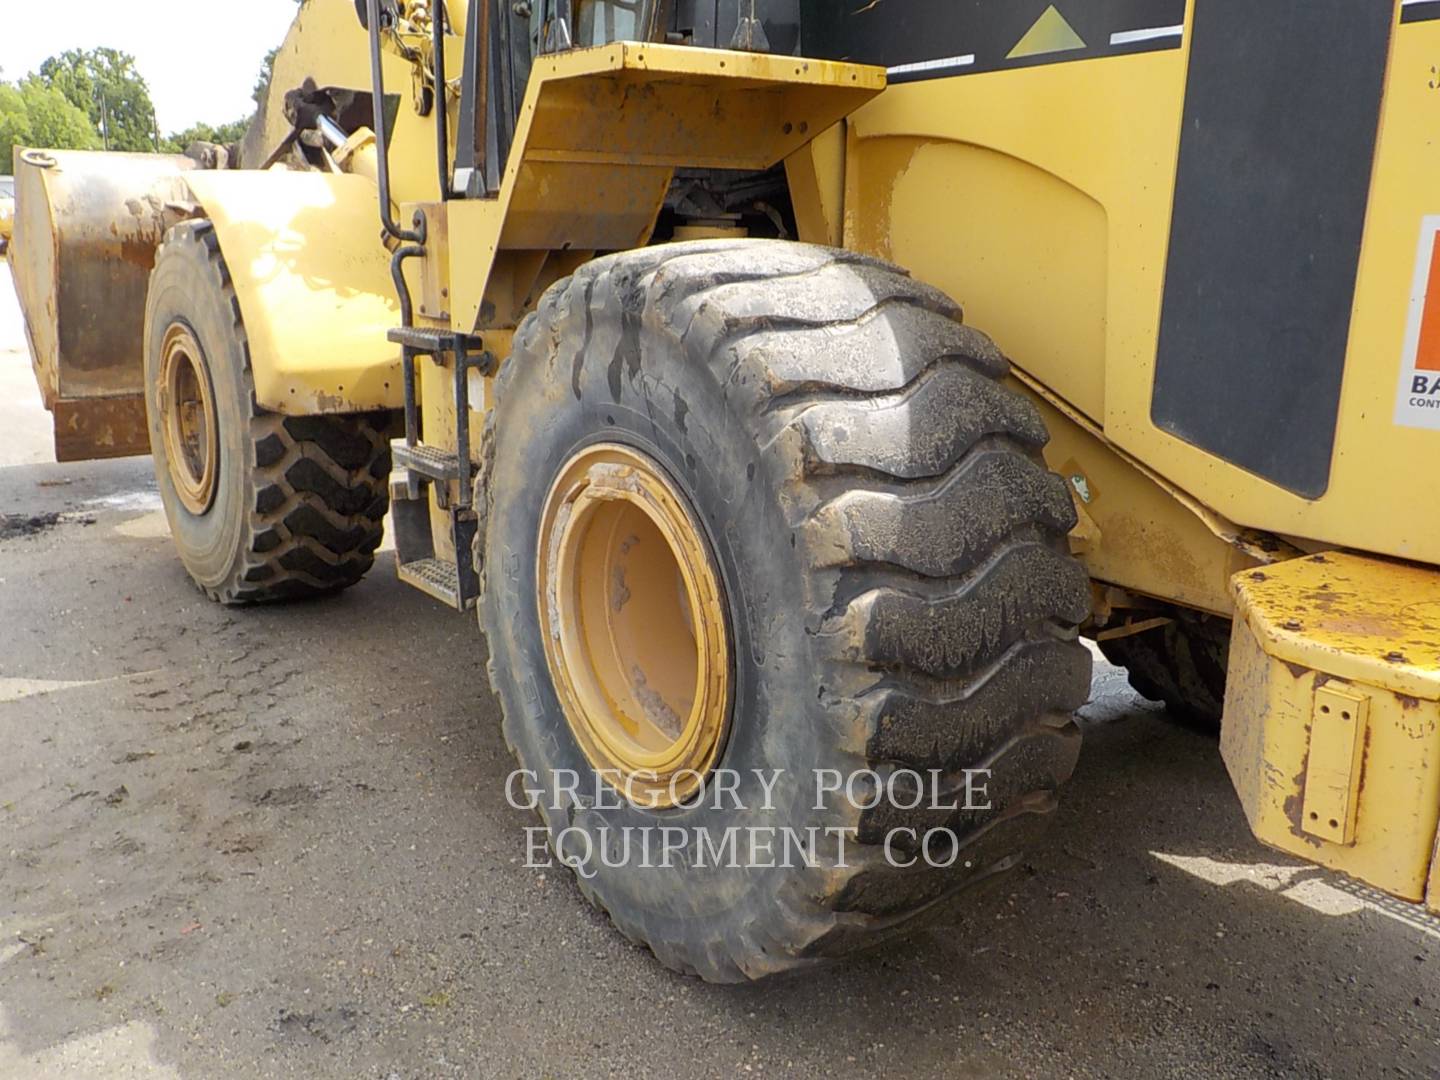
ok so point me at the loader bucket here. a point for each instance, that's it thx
(87, 226)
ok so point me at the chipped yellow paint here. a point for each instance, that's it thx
(1344, 627)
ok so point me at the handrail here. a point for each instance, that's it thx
(382, 140)
(438, 16)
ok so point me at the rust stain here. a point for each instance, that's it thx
(656, 707)
(619, 591)
(138, 251)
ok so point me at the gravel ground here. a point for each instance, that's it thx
(275, 843)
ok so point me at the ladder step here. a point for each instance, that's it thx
(437, 577)
(425, 340)
(427, 461)
(439, 342)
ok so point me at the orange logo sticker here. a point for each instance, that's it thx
(1418, 403)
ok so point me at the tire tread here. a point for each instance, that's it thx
(948, 605)
(321, 483)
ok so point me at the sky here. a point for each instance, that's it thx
(200, 57)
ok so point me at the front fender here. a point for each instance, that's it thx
(313, 282)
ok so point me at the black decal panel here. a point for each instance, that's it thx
(1281, 117)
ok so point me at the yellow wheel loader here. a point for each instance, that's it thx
(642, 321)
(7, 211)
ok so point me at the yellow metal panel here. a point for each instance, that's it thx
(1029, 235)
(1039, 198)
(1377, 499)
(1356, 618)
(471, 263)
(1073, 295)
(1327, 630)
(583, 205)
(639, 104)
(816, 175)
(601, 130)
(1138, 533)
(313, 282)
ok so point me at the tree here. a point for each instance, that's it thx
(267, 72)
(14, 125)
(54, 121)
(105, 84)
(34, 114)
(224, 135)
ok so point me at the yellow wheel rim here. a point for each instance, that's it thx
(633, 619)
(187, 419)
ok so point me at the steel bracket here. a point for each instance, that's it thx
(1333, 767)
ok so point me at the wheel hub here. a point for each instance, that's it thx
(187, 419)
(633, 621)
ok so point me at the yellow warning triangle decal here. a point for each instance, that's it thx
(1051, 33)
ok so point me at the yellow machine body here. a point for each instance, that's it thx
(1038, 186)
(600, 135)
(1057, 183)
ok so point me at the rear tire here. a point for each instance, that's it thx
(290, 506)
(892, 551)
(1181, 664)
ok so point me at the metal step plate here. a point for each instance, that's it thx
(428, 461)
(436, 577)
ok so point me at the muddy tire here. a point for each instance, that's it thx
(898, 588)
(261, 506)
(1181, 664)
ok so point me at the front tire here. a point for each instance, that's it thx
(261, 506)
(897, 587)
